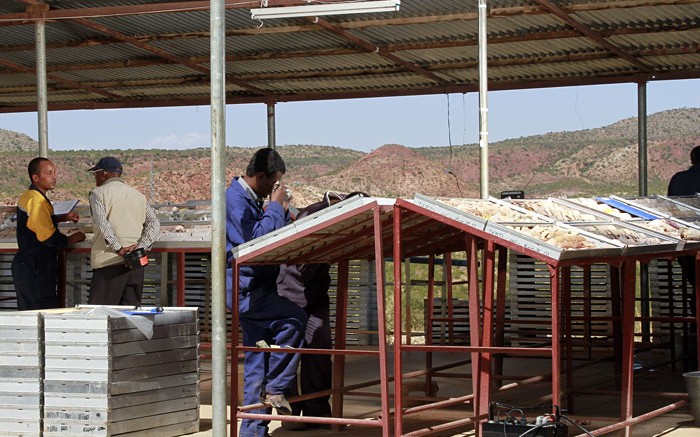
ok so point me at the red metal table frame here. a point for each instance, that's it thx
(481, 322)
(339, 350)
(179, 278)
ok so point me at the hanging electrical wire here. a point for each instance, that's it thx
(449, 139)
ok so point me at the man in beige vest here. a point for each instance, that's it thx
(123, 223)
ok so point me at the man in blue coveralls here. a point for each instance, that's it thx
(263, 314)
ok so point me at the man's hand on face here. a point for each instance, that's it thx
(279, 192)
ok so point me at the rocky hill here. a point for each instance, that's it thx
(11, 141)
(588, 162)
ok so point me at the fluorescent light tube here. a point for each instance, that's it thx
(321, 9)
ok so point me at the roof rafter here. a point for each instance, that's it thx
(37, 10)
(65, 82)
(155, 50)
(162, 53)
(444, 67)
(564, 16)
(416, 91)
(371, 47)
(427, 45)
(426, 48)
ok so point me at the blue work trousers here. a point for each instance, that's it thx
(279, 322)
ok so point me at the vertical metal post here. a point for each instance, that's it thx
(480, 397)
(218, 225)
(627, 389)
(180, 279)
(341, 335)
(271, 139)
(38, 12)
(487, 291)
(429, 319)
(565, 293)
(408, 330)
(483, 102)
(499, 333)
(447, 277)
(381, 314)
(642, 136)
(643, 191)
(398, 362)
(556, 345)
(164, 276)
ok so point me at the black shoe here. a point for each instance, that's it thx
(295, 426)
(319, 426)
(279, 403)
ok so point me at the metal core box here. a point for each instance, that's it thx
(99, 371)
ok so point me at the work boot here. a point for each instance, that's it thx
(279, 403)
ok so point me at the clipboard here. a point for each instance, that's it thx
(64, 207)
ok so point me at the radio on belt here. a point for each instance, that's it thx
(136, 258)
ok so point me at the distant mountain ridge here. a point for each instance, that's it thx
(587, 162)
(11, 141)
(684, 122)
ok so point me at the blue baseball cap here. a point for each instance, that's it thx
(109, 164)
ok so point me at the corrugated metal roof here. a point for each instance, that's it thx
(123, 53)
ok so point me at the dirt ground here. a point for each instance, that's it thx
(596, 402)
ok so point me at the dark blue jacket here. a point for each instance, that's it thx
(685, 183)
(306, 284)
(245, 221)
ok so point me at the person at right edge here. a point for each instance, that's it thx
(307, 285)
(687, 183)
(265, 317)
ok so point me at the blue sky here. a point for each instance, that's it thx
(364, 124)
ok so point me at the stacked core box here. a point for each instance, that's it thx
(99, 371)
(21, 373)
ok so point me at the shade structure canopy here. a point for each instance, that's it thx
(150, 53)
(348, 231)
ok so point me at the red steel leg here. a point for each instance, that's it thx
(398, 377)
(341, 312)
(556, 352)
(628, 297)
(383, 360)
(475, 327)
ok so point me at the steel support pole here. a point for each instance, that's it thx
(643, 191)
(381, 313)
(180, 279)
(341, 337)
(565, 293)
(642, 136)
(556, 337)
(483, 102)
(398, 364)
(475, 326)
(487, 290)
(628, 316)
(218, 219)
(431, 316)
(39, 11)
(499, 332)
(271, 138)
